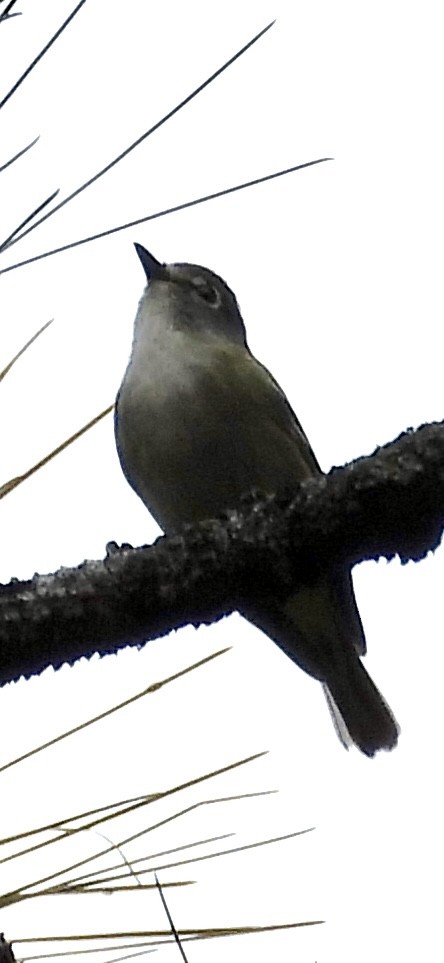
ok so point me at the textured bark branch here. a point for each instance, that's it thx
(390, 503)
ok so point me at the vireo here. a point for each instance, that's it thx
(199, 423)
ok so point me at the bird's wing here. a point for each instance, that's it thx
(256, 407)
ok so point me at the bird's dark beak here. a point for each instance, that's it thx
(154, 270)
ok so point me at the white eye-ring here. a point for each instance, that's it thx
(208, 292)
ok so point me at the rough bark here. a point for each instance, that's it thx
(388, 504)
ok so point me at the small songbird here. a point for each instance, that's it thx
(199, 423)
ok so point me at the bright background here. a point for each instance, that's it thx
(338, 273)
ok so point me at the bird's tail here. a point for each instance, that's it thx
(360, 714)
(319, 628)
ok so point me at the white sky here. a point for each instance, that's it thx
(338, 273)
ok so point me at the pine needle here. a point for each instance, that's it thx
(147, 133)
(154, 687)
(25, 348)
(14, 482)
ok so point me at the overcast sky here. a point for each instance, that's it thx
(338, 273)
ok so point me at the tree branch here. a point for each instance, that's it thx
(390, 503)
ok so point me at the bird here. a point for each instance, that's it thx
(200, 422)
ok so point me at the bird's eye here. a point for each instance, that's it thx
(207, 292)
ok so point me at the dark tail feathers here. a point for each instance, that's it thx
(358, 707)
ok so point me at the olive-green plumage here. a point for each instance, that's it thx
(199, 423)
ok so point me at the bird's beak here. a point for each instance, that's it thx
(154, 270)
